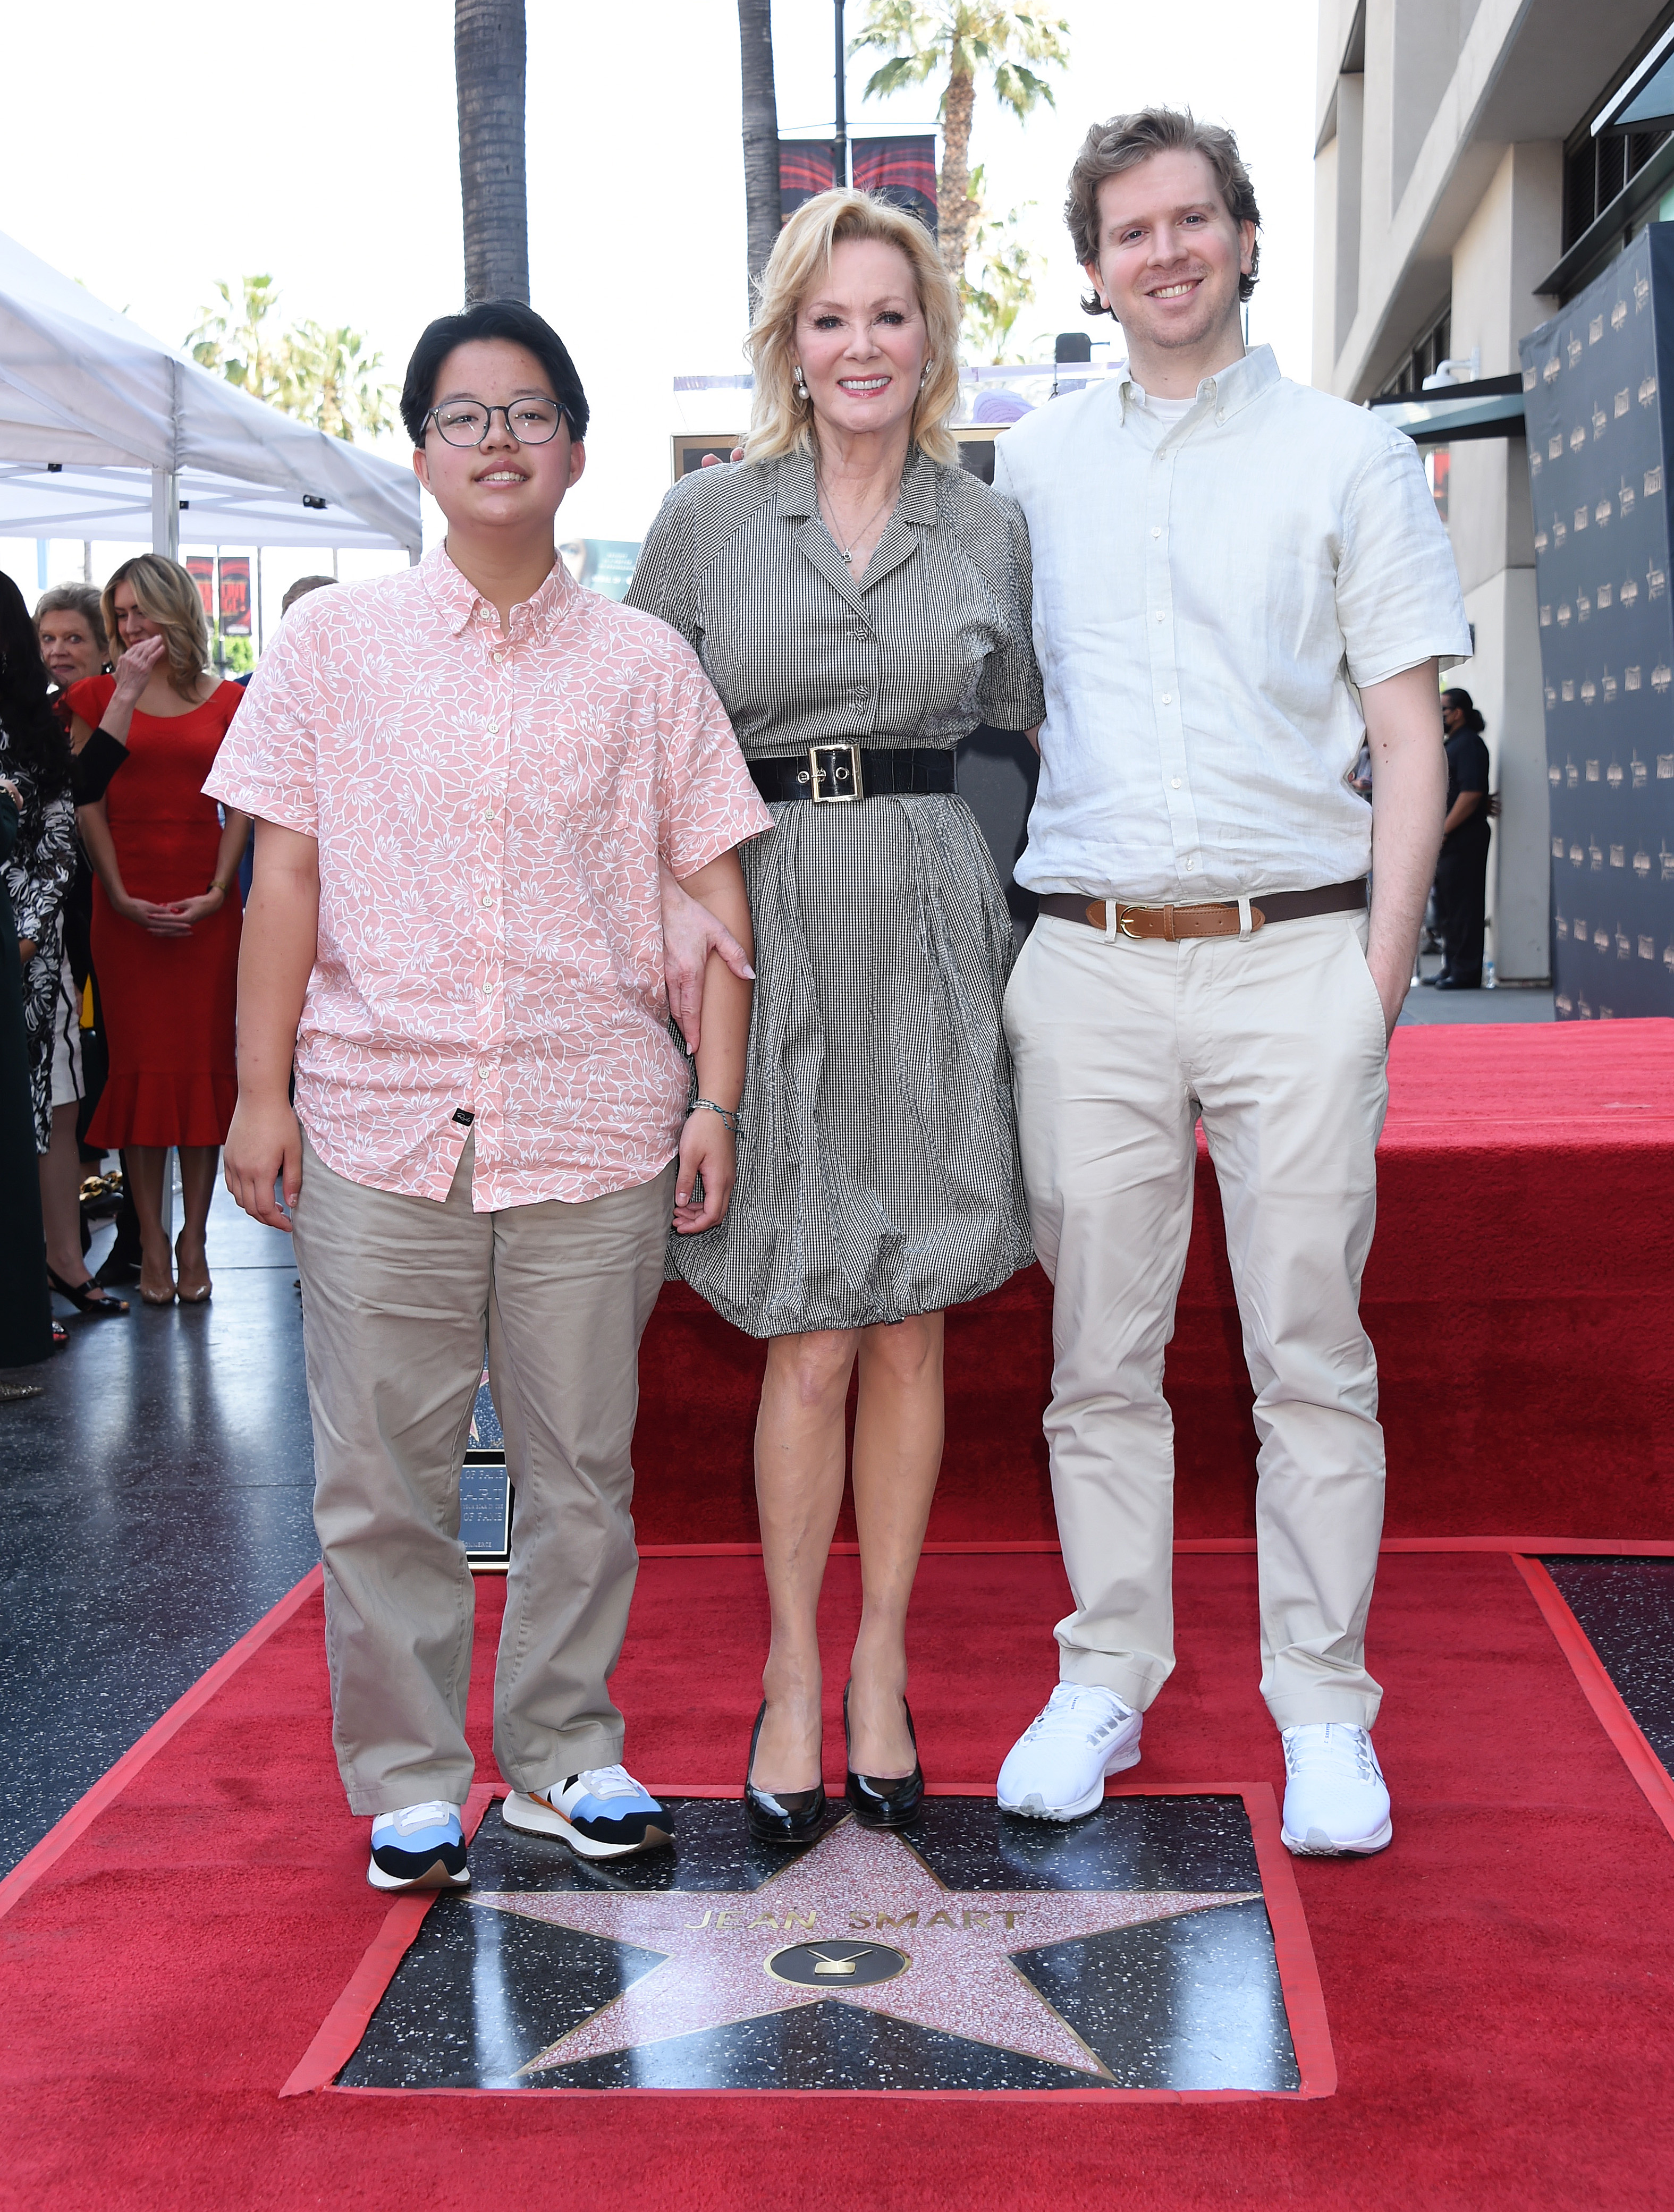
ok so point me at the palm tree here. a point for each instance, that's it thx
(488, 57)
(761, 135)
(235, 339)
(967, 38)
(1003, 284)
(335, 384)
(326, 377)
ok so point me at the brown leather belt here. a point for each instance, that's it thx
(1220, 919)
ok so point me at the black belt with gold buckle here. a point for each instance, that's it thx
(838, 774)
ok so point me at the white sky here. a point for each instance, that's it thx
(316, 142)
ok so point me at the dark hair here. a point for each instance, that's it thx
(1466, 706)
(1123, 143)
(490, 318)
(300, 589)
(31, 728)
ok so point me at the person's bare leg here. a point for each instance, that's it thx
(800, 1464)
(198, 1165)
(61, 1198)
(899, 1426)
(145, 1173)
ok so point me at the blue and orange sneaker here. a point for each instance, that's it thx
(420, 1847)
(602, 1814)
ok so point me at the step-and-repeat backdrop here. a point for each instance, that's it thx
(1596, 384)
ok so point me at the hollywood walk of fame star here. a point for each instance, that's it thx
(856, 1889)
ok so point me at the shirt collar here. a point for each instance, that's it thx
(798, 489)
(1228, 391)
(457, 601)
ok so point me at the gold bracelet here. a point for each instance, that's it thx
(215, 885)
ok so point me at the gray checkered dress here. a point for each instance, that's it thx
(878, 1164)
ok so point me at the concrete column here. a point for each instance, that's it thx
(1511, 241)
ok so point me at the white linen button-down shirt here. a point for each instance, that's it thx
(1210, 597)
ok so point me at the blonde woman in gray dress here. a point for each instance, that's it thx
(861, 603)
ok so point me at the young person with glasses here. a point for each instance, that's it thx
(467, 781)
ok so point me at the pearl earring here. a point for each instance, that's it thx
(796, 379)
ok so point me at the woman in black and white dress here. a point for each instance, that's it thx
(34, 754)
(861, 603)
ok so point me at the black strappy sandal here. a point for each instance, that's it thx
(88, 1298)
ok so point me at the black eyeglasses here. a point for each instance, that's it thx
(468, 422)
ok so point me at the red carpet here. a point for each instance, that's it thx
(1520, 1295)
(1497, 1983)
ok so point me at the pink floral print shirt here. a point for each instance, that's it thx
(489, 811)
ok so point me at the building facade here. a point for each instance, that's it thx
(1462, 197)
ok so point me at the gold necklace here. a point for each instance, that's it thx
(847, 552)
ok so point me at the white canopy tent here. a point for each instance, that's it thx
(105, 432)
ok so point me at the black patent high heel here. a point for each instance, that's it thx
(789, 1816)
(883, 1801)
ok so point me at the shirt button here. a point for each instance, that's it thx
(1168, 698)
(1162, 617)
(1174, 783)
(1191, 859)
(1156, 533)
(488, 898)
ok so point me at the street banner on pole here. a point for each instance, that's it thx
(236, 595)
(808, 167)
(902, 171)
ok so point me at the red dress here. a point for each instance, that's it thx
(168, 1003)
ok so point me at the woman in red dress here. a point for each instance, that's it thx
(166, 910)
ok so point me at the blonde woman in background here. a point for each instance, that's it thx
(166, 911)
(861, 603)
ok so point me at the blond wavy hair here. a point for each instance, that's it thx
(780, 422)
(166, 595)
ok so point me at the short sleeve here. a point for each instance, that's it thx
(1473, 766)
(1011, 695)
(707, 800)
(1398, 590)
(665, 582)
(267, 763)
(90, 697)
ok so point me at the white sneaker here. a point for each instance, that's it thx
(1335, 1800)
(1055, 1770)
(603, 1813)
(420, 1847)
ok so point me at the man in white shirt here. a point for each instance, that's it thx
(1237, 581)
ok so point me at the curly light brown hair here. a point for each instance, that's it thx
(166, 595)
(780, 422)
(1125, 141)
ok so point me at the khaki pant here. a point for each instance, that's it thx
(1277, 1042)
(399, 1295)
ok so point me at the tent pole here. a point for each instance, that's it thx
(165, 513)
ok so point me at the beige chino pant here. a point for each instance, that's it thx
(1276, 1040)
(399, 1295)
